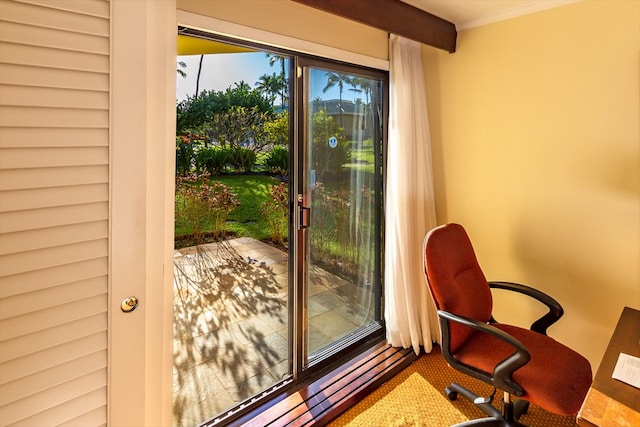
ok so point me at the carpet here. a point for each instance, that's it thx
(415, 397)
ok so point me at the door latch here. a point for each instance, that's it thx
(305, 217)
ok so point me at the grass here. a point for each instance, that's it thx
(246, 220)
(252, 191)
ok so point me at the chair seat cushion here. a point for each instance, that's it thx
(556, 378)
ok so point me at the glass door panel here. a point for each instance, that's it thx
(232, 289)
(342, 177)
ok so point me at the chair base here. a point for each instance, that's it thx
(511, 412)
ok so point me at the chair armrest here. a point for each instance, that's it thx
(502, 376)
(555, 309)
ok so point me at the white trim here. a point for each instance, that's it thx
(142, 173)
(230, 29)
(515, 12)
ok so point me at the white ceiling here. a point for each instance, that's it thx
(473, 13)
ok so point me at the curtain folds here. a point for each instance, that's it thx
(410, 314)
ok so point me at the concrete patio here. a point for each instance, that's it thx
(231, 322)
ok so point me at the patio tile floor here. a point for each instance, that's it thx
(230, 323)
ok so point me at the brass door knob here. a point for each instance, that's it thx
(129, 304)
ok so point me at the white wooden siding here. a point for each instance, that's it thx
(54, 211)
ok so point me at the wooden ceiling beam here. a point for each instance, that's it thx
(395, 17)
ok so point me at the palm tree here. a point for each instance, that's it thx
(284, 89)
(198, 78)
(180, 72)
(270, 85)
(338, 79)
(362, 84)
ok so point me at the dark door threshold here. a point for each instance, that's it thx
(327, 397)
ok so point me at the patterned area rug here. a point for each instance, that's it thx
(416, 397)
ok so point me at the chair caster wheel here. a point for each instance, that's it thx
(451, 394)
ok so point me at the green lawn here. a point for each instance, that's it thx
(253, 192)
(246, 220)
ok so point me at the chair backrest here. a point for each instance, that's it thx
(456, 281)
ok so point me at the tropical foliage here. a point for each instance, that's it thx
(202, 205)
(211, 159)
(277, 160)
(194, 113)
(328, 162)
(225, 135)
(276, 212)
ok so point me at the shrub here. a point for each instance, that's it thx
(277, 160)
(211, 159)
(341, 220)
(276, 212)
(184, 156)
(243, 159)
(203, 205)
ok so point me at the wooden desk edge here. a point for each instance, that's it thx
(600, 410)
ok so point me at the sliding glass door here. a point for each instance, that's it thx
(284, 273)
(341, 196)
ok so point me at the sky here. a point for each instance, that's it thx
(221, 71)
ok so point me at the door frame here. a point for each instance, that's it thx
(142, 163)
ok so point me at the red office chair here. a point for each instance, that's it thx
(521, 362)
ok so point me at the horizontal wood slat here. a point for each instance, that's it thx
(38, 198)
(22, 158)
(24, 179)
(25, 35)
(95, 417)
(98, 8)
(49, 17)
(330, 395)
(53, 117)
(59, 415)
(28, 96)
(13, 137)
(53, 316)
(66, 294)
(34, 363)
(50, 257)
(53, 400)
(38, 158)
(32, 240)
(25, 75)
(52, 337)
(35, 56)
(25, 386)
(37, 280)
(52, 217)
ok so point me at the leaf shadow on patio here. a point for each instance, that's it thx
(230, 327)
(231, 322)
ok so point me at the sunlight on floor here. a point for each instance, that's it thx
(231, 323)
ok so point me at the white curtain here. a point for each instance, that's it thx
(410, 314)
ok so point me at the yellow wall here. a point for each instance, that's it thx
(535, 124)
(535, 127)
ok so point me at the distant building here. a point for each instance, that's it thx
(352, 116)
